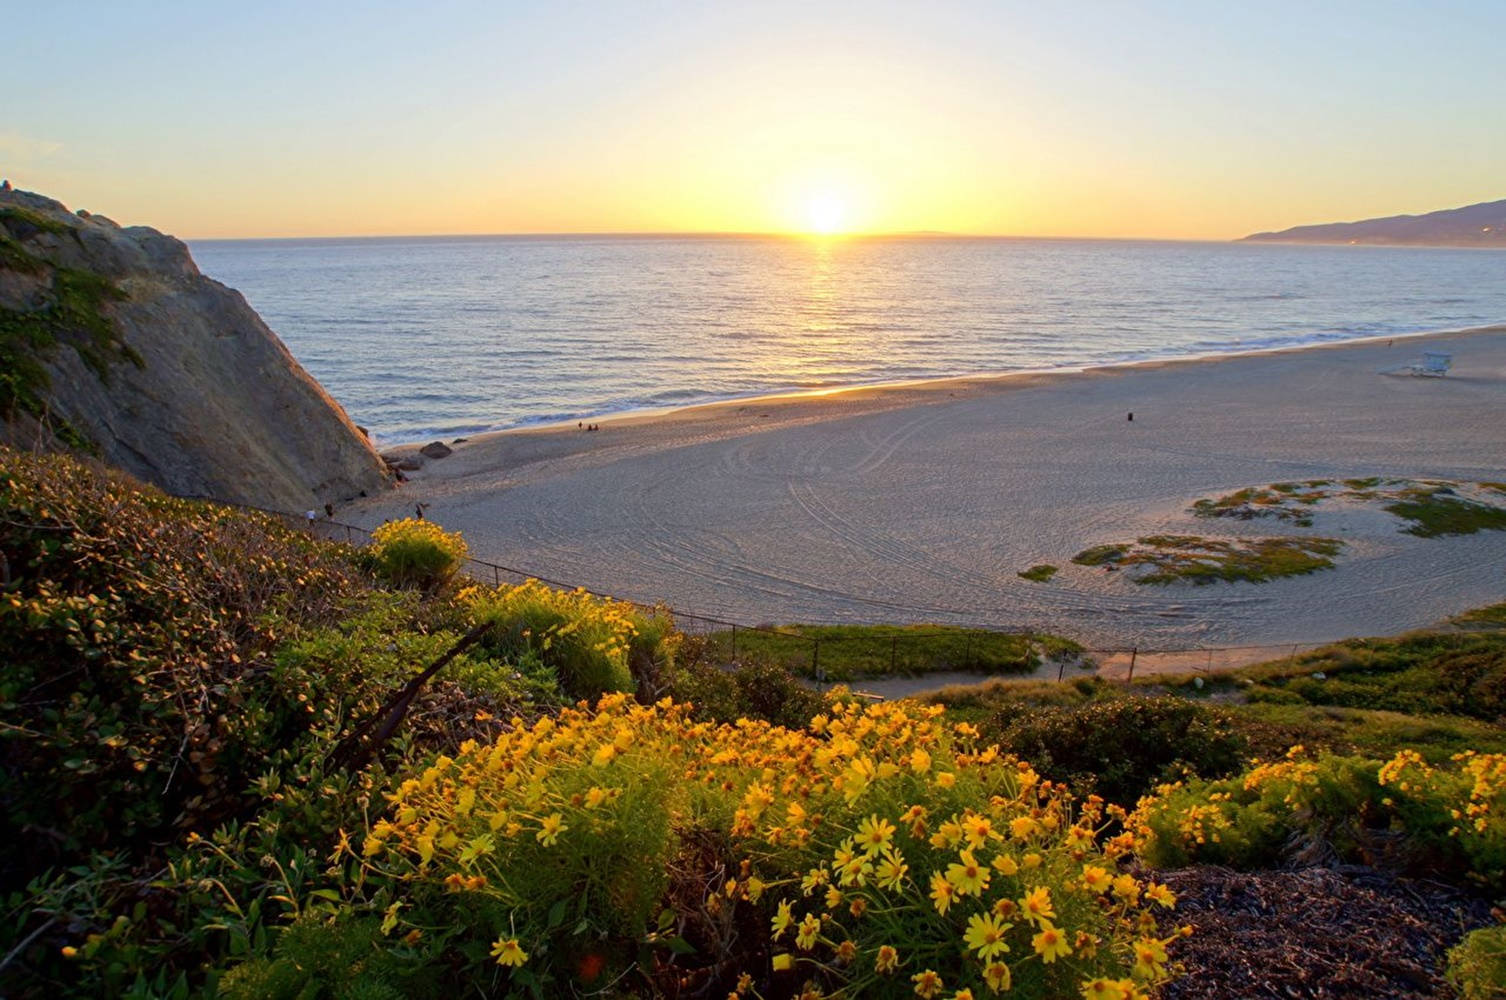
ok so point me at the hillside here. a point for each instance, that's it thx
(239, 761)
(1482, 225)
(113, 344)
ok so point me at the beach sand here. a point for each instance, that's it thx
(920, 503)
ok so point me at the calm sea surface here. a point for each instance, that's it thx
(445, 336)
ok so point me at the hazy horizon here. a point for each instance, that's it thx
(1172, 121)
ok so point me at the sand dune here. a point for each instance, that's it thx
(920, 503)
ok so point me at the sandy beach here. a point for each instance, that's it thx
(920, 503)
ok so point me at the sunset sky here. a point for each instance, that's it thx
(1185, 120)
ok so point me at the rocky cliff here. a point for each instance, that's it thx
(113, 343)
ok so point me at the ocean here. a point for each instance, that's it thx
(438, 337)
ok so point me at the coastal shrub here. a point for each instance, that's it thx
(590, 642)
(1403, 813)
(758, 690)
(879, 852)
(1420, 673)
(414, 553)
(136, 637)
(1477, 965)
(1120, 749)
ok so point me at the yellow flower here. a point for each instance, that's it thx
(1127, 889)
(946, 779)
(1036, 905)
(508, 952)
(920, 761)
(595, 797)
(1050, 944)
(978, 830)
(969, 876)
(783, 962)
(1006, 865)
(549, 830)
(782, 918)
(891, 870)
(949, 835)
(1023, 827)
(1095, 879)
(963, 994)
(942, 892)
(1101, 989)
(927, 984)
(846, 952)
(805, 937)
(887, 960)
(1160, 894)
(1150, 958)
(996, 975)
(985, 935)
(874, 834)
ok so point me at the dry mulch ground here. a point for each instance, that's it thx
(1318, 933)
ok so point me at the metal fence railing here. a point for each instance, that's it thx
(914, 652)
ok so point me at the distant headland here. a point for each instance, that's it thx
(1482, 225)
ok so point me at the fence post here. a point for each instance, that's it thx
(1133, 653)
(1209, 668)
(347, 535)
(1061, 669)
(734, 640)
(816, 661)
(1293, 661)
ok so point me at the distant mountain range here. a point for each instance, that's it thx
(1482, 225)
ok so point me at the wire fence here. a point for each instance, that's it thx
(893, 662)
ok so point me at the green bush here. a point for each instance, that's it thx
(1404, 814)
(760, 690)
(1477, 965)
(591, 643)
(413, 553)
(1121, 748)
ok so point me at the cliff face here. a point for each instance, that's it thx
(1482, 225)
(112, 342)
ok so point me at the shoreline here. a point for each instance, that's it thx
(636, 415)
(920, 502)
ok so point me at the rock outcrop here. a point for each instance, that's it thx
(112, 342)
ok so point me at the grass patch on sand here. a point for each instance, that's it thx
(1438, 510)
(1039, 573)
(1102, 555)
(849, 652)
(1432, 507)
(1164, 559)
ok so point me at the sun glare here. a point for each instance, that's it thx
(825, 214)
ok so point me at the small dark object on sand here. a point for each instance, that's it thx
(1132, 417)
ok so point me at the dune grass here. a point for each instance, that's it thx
(849, 652)
(1167, 559)
(1038, 573)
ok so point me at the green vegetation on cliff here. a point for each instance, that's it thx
(71, 313)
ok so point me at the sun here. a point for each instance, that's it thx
(825, 213)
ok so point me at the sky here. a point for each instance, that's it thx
(1204, 120)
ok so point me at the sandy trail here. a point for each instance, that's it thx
(920, 503)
